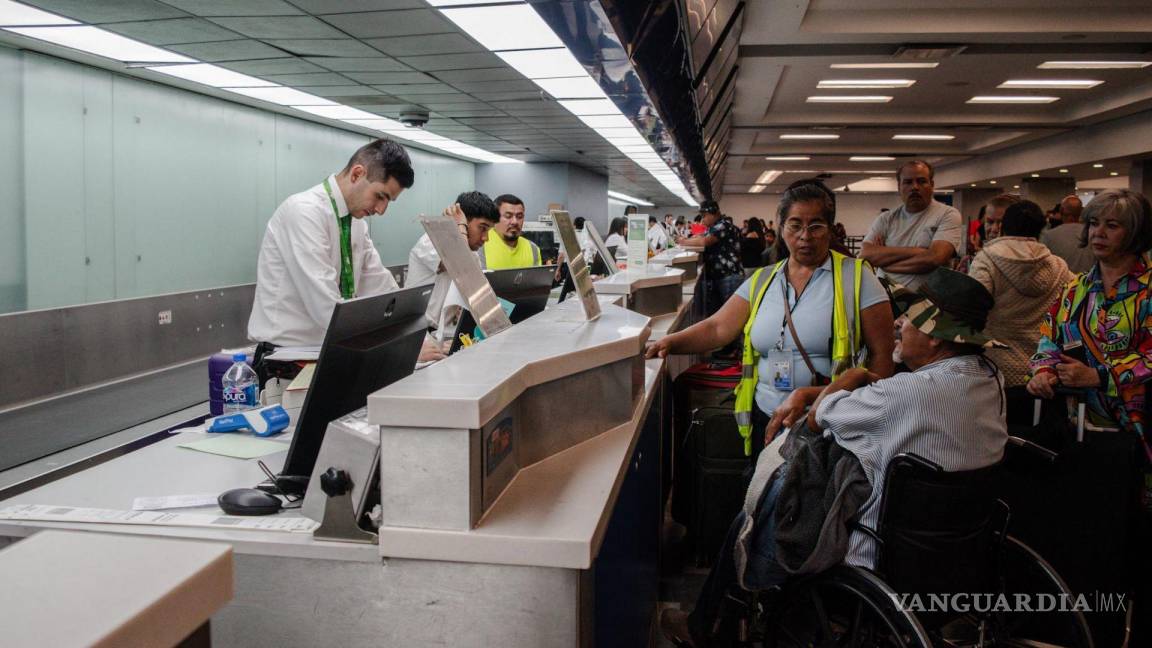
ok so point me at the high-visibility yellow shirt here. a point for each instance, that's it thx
(496, 255)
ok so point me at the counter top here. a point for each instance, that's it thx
(473, 385)
(629, 281)
(674, 255)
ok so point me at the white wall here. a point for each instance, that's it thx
(855, 211)
(539, 184)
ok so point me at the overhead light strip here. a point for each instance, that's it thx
(631, 200)
(1050, 84)
(14, 14)
(849, 99)
(1093, 65)
(884, 66)
(1012, 99)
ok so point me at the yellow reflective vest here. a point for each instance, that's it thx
(496, 255)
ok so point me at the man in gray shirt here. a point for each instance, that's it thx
(1064, 240)
(917, 237)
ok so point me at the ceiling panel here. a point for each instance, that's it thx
(342, 6)
(453, 61)
(337, 48)
(482, 74)
(376, 63)
(270, 27)
(168, 32)
(442, 99)
(233, 50)
(522, 85)
(108, 10)
(483, 93)
(348, 94)
(235, 7)
(274, 66)
(471, 112)
(312, 79)
(455, 43)
(403, 90)
(376, 24)
(390, 78)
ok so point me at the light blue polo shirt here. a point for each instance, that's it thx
(812, 316)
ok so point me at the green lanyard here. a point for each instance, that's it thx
(347, 279)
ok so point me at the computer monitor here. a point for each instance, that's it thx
(527, 288)
(371, 343)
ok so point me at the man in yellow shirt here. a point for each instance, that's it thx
(506, 248)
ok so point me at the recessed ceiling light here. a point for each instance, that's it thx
(1113, 173)
(285, 96)
(972, 185)
(991, 182)
(14, 14)
(102, 43)
(1063, 170)
(767, 177)
(626, 197)
(883, 66)
(926, 138)
(810, 136)
(834, 84)
(1012, 99)
(489, 26)
(756, 188)
(590, 107)
(1015, 186)
(871, 158)
(787, 158)
(1052, 84)
(583, 87)
(1097, 166)
(544, 64)
(605, 122)
(1035, 175)
(212, 75)
(1093, 65)
(849, 99)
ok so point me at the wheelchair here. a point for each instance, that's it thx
(947, 574)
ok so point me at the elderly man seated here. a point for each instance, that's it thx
(949, 409)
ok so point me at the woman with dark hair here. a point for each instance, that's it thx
(752, 243)
(1025, 278)
(617, 240)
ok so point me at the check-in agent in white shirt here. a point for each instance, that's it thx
(316, 252)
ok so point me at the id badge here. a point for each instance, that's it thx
(780, 368)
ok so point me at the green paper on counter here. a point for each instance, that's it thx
(236, 445)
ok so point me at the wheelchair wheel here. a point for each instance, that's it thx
(845, 606)
(1027, 573)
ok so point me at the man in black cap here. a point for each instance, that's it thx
(949, 409)
(720, 245)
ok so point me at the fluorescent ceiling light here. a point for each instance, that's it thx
(1012, 99)
(630, 199)
(1035, 175)
(505, 27)
(834, 84)
(1063, 170)
(756, 188)
(1113, 173)
(809, 136)
(787, 158)
(212, 75)
(991, 182)
(102, 43)
(767, 177)
(581, 107)
(607, 121)
(14, 14)
(634, 148)
(284, 96)
(871, 158)
(1093, 65)
(926, 138)
(336, 112)
(849, 99)
(883, 66)
(1097, 166)
(1051, 84)
(544, 64)
(571, 87)
(613, 201)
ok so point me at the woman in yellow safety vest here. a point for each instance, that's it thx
(804, 319)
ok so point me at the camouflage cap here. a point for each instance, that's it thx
(949, 305)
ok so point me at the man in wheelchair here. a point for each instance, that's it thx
(815, 480)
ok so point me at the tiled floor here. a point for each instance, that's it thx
(680, 579)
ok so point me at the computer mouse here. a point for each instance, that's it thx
(248, 501)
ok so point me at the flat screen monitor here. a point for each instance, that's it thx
(527, 288)
(371, 343)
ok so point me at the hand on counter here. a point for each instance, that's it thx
(431, 351)
(658, 349)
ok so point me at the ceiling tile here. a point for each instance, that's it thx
(274, 66)
(376, 24)
(392, 78)
(168, 32)
(324, 47)
(522, 85)
(408, 91)
(351, 92)
(378, 63)
(464, 105)
(482, 74)
(266, 27)
(453, 61)
(471, 112)
(233, 50)
(235, 7)
(425, 44)
(109, 10)
(342, 6)
(486, 94)
(312, 79)
(441, 98)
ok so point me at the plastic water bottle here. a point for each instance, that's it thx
(240, 386)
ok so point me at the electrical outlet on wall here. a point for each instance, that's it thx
(164, 317)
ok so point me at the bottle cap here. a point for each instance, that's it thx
(239, 357)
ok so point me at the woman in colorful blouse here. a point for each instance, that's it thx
(1104, 318)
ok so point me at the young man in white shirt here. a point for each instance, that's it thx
(316, 250)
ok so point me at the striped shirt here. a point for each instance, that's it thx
(950, 412)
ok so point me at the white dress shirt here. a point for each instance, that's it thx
(298, 272)
(657, 238)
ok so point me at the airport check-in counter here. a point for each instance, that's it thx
(653, 291)
(680, 259)
(521, 502)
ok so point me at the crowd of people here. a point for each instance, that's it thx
(918, 350)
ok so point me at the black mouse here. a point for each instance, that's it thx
(248, 501)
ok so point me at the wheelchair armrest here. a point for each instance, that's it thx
(1033, 448)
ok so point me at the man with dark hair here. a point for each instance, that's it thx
(316, 250)
(1064, 239)
(506, 248)
(917, 237)
(657, 237)
(475, 215)
(994, 214)
(720, 247)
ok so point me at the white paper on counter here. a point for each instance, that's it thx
(49, 513)
(173, 501)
